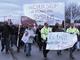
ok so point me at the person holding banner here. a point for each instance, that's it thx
(44, 32)
(28, 38)
(57, 28)
(72, 30)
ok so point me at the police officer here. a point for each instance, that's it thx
(44, 32)
(72, 30)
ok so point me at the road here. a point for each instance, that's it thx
(37, 55)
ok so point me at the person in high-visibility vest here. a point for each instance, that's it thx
(44, 32)
(72, 30)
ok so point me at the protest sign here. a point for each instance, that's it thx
(60, 40)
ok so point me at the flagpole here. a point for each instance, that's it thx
(18, 35)
(65, 6)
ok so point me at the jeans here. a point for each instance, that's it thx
(28, 48)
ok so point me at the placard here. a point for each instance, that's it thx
(60, 40)
(51, 13)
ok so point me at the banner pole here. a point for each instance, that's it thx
(18, 35)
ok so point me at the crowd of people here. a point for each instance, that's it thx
(11, 33)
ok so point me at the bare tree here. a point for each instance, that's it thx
(72, 9)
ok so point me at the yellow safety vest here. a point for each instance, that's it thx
(73, 30)
(44, 32)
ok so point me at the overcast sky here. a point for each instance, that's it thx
(15, 7)
(10, 7)
(36, 1)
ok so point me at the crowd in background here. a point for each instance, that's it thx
(10, 34)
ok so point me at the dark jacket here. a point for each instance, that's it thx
(6, 31)
(38, 33)
(56, 29)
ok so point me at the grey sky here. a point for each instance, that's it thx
(41, 1)
(15, 7)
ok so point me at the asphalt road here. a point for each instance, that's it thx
(37, 55)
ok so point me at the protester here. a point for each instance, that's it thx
(28, 37)
(16, 34)
(78, 43)
(13, 35)
(1, 26)
(57, 28)
(5, 42)
(20, 43)
(38, 37)
(44, 32)
(72, 30)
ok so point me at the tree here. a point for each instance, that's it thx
(72, 9)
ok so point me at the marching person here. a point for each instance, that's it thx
(78, 43)
(72, 30)
(44, 32)
(11, 38)
(5, 42)
(28, 38)
(38, 37)
(20, 43)
(57, 28)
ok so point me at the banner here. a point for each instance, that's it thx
(51, 13)
(60, 40)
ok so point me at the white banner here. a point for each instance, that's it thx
(45, 12)
(60, 40)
